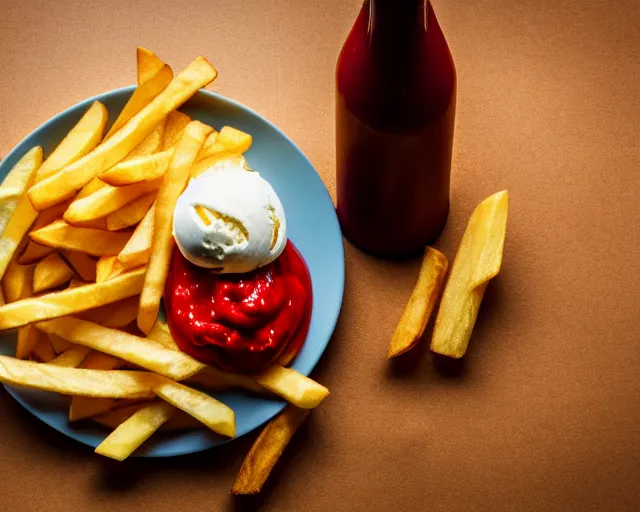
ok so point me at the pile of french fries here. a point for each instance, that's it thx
(84, 255)
(478, 260)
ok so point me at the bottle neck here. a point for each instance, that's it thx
(397, 22)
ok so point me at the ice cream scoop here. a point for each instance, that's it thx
(230, 220)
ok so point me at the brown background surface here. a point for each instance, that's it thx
(546, 413)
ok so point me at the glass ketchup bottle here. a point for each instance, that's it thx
(395, 110)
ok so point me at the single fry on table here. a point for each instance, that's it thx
(423, 299)
(267, 449)
(478, 260)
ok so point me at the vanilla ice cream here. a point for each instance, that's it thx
(229, 220)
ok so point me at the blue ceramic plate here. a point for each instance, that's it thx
(312, 226)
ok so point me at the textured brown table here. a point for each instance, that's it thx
(546, 412)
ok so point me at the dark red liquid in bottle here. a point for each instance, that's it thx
(395, 110)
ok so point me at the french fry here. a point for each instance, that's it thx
(90, 188)
(234, 140)
(267, 449)
(423, 299)
(139, 351)
(28, 337)
(211, 146)
(74, 283)
(223, 158)
(144, 168)
(71, 301)
(142, 97)
(95, 242)
(83, 407)
(51, 272)
(152, 144)
(176, 122)
(214, 414)
(59, 344)
(113, 418)
(116, 315)
(131, 214)
(72, 358)
(16, 182)
(17, 283)
(148, 64)
(478, 260)
(107, 268)
(138, 248)
(294, 387)
(64, 183)
(18, 218)
(43, 351)
(101, 361)
(173, 184)
(208, 377)
(107, 200)
(34, 253)
(83, 137)
(76, 381)
(133, 432)
(84, 266)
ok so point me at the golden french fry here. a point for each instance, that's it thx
(115, 315)
(267, 449)
(72, 358)
(28, 337)
(95, 242)
(107, 268)
(148, 64)
(208, 377)
(71, 301)
(223, 158)
(51, 272)
(423, 299)
(176, 122)
(162, 242)
(138, 248)
(294, 387)
(139, 351)
(107, 200)
(142, 97)
(234, 140)
(17, 283)
(83, 407)
(17, 219)
(211, 146)
(160, 333)
(136, 170)
(478, 260)
(75, 381)
(113, 418)
(43, 351)
(134, 431)
(83, 265)
(152, 144)
(16, 183)
(34, 253)
(83, 137)
(214, 414)
(59, 344)
(90, 188)
(64, 183)
(101, 361)
(131, 214)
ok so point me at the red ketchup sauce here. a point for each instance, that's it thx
(240, 322)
